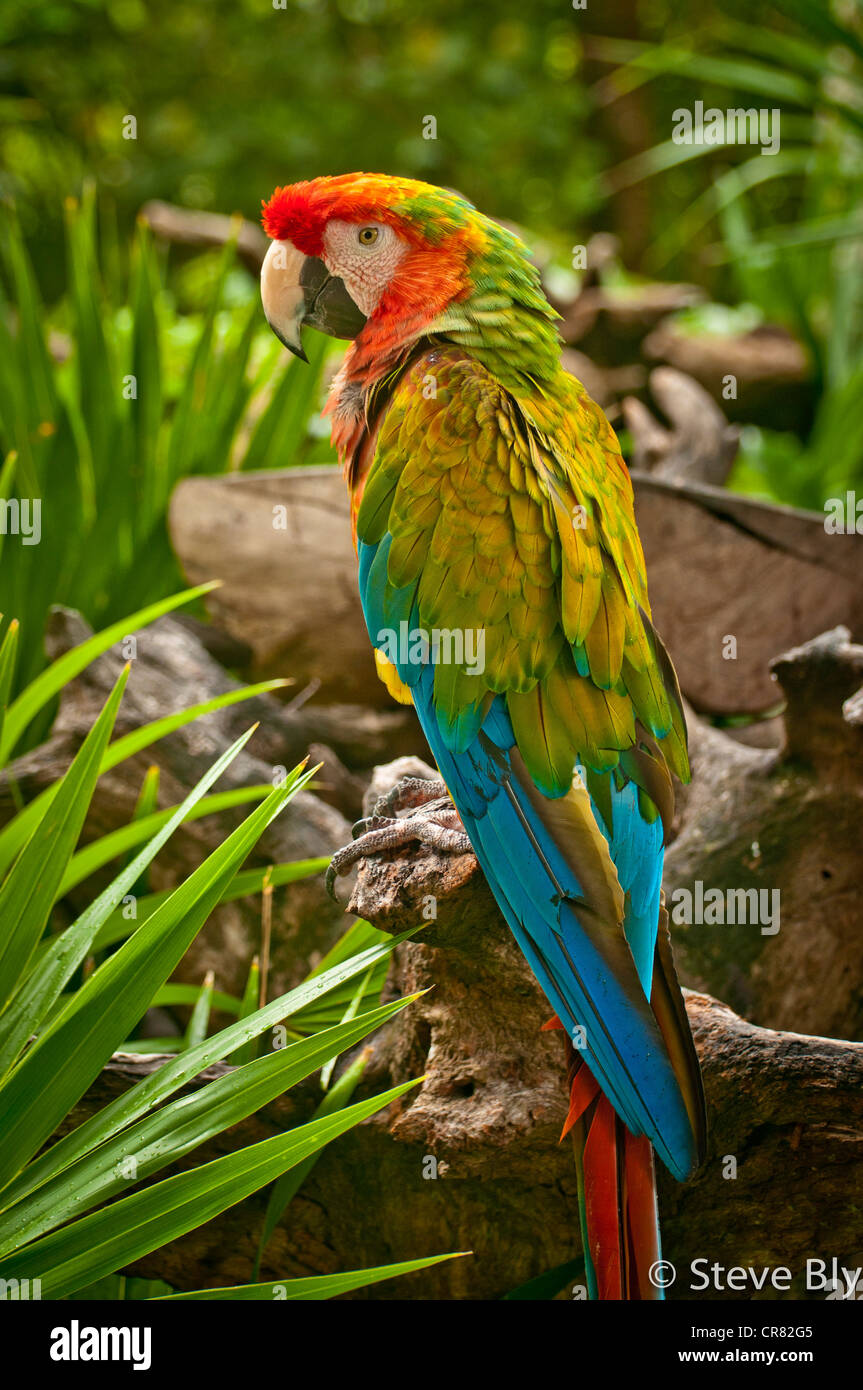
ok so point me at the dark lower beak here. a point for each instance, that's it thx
(298, 290)
(329, 307)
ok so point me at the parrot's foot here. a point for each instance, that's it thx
(429, 818)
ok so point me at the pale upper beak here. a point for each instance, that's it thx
(297, 289)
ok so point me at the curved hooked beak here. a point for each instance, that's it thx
(298, 289)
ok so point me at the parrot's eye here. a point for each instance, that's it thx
(365, 256)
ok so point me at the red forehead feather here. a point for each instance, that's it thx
(294, 214)
(299, 212)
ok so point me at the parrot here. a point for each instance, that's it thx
(489, 497)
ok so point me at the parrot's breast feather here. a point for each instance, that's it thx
(507, 524)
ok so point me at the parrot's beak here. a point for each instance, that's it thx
(298, 289)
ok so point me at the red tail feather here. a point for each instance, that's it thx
(604, 1208)
(617, 1192)
(642, 1218)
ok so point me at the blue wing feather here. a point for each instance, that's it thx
(537, 889)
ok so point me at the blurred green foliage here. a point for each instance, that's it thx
(558, 118)
(543, 113)
(109, 400)
(771, 222)
(232, 97)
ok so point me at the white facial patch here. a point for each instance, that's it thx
(366, 255)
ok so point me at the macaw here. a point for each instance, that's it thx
(489, 497)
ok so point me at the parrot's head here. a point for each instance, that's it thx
(383, 260)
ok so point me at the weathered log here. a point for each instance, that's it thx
(609, 324)
(734, 580)
(785, 823)
(606, 385)
(190, 227)
(699, 447)
(770, 371)
(280, 543)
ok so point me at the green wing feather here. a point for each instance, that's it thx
(514, 515)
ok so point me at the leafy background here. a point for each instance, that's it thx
(533, 122)
(555, 118)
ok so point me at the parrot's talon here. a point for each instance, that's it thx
(433, 822)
